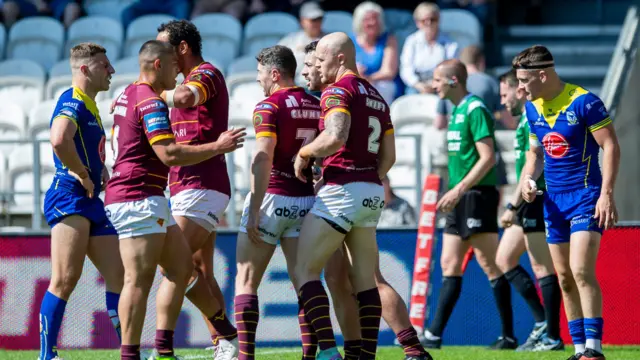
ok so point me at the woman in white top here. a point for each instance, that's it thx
(424, 50)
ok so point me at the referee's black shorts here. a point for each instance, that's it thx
(530, 216)
(476, 213)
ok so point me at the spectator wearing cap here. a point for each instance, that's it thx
(180, 9)
(235, 8)
(376, 49)
(311, 15)
(424, 50)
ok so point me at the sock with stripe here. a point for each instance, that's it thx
(576, 330)
(224, 329)
(370, 308)
(307, 334)
(112, 310)
(316, 309)
(247, 314)
(408, 338)
(352, 349)
(593, 333)
(164, 342)
(129, 352)
(51, 312)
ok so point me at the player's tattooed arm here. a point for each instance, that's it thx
(335, 135)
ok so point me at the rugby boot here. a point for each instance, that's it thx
(504, 343)
(536, 334)
(591, 354)
(547, 344)
(226, 350)
(329, 354)
(426, 356)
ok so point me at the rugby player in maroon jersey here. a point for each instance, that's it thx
(145, 147)
(278, 201)
(200, 193)
(394, 310)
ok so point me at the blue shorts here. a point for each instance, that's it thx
(59, 204)
(569, 212)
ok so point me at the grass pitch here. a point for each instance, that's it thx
(384, 353)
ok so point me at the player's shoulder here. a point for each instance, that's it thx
(205, 69)
(271, 104)
(531, 110)
(582, 97)
(69, 98)
(475, 103)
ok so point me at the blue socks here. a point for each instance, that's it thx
(51, 312)
(593, 332)
(576, 329)
(112, 309)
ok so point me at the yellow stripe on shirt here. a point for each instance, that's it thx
(157, 138)
(343, 110)
(600, 125)
(266, 134)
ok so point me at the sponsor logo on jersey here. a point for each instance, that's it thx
(257, 119)
(101, 148)
(68, 112)
(73, 105)
(196, 77)
(335, 91)
(374, 203)
(332, 101)
(292, 212)
(264, 106)
(157, 121)
(154, 104)
(474, 223)
(571, 118)
(555, 145)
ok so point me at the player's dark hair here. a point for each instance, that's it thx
(183, 30)
(279, 57)
(509, 78)
(154, 49)
(311, 46)
(534, 57)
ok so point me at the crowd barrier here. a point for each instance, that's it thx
(25, 273)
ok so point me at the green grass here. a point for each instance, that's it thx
(385, 353)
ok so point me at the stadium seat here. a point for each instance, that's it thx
(3, 40)
(221, 37)
(59, 79)
(267, 29)
(335, 21)
(21, 83)
(249, 92)
(12, 125)
(20, 175)
(415, 108)
(36, 38)
(109, 8)
(97, 29)
(462, 26)
(398, 19)
(104, 107)
(141, 30)
(60, 68)
(243, 70)
(40, 118)
(127, 71)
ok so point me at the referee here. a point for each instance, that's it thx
(471, 203)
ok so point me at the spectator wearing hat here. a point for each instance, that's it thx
(311, 15)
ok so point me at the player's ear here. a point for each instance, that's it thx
(341, 59)
(84, 69)
(183, 47)
(157, 64)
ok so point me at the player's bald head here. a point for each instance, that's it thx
(153, 50)
(453, 68)
(338, 43)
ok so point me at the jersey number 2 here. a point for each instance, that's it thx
(374, 137)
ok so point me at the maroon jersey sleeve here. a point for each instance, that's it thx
(335, 99)
(264, 119)
(207, 80)
(154, 115)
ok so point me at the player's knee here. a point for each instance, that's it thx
(541, 271)
(451, 265)
(583, 277)
(63, 284)
(566, 282)
(505, 262)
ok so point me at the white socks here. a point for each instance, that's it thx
(580, 348)
(594, 344)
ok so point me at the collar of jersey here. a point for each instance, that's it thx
(287, 88)
(558, 104)
(89, 103)
(347, 73)
(197, 66)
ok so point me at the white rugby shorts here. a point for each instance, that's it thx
(141, 217)
(202, 206)
(357, 204)
(280, 216)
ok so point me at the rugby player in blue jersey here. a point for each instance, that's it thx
(79, 224)
(569, 125)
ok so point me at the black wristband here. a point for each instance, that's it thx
(511, 207)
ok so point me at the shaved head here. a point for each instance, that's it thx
(335, 54)
(158, 60)
(153, 50)
(454, 69)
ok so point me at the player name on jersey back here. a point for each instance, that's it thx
(292, 117)
(202, 124)
(357, 160)
(141, 119)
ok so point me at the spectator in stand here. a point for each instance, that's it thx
(479, 8)
(376, 49)
(424, 50)
(180, 9)
(396, 211)
(235, 8)
(67, 11)
(311, 15)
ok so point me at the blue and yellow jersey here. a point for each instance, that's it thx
(563, 127)
(89, 139)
